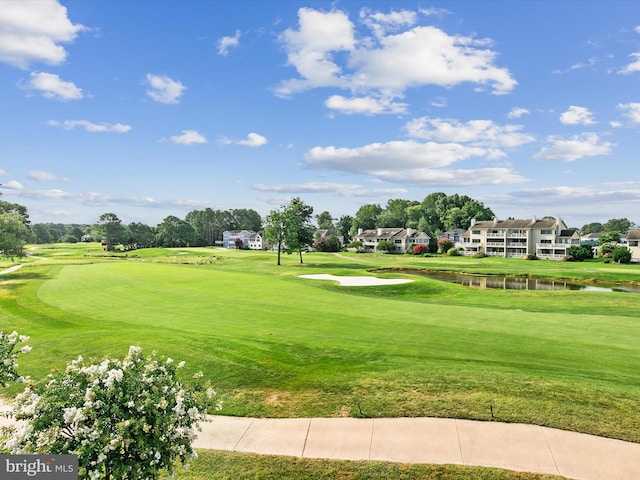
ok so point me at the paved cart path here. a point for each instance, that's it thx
(513, 446)
(527, 448)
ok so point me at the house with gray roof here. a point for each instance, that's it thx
(403, 238)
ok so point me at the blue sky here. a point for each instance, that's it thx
(149, 109)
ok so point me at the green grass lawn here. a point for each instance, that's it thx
(216, 465)
(276, 345)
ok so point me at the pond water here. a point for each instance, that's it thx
(505, 282)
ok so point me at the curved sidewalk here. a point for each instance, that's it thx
(526, 448)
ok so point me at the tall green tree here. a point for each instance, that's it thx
(366, 218)
(299, 230)
(13, 235)
(140, 235)
(21, 210)
(621, 225)
(174, 232)
(275, 229)
(325, 221)
(111, 230)
(593, 227)
(395, 214)
(343, 225)
(289, 227)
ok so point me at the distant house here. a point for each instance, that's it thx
(229, 238)
(250, 240)
(633, 244)
(257, 242)
(324, 233)
(403, 238)
(548, 238)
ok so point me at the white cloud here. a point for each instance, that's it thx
(163, 89)
(340, 189)
(631, 111)
(633, 66)
(364, 105)
(104, 199)
(310, 49)
(42, 176)
(253, 140)
(382, 23)
(577, 116)
(439, 102)
(579, 146)
(225, 43)
(33, 31)
(476, 132)
(388, 64)
(53, 87)
(518, 112)
(188, 137)
(401, 155)
(345, 189)
(90, 126)
(3, 172)
(454, 178)
(13, 185)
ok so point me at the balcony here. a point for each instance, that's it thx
(562, 246)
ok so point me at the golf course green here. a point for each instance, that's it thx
(274, 344)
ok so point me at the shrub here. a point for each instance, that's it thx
(453, 252)
(530, 256)
(621, 255)
(327, 244)
(568, 258)
(357, 244)
(420, 249)
(479, 255)
(580, 253)
(70, 239)
(444, 245)
(9, 356)
(386, 246)
(124, 419)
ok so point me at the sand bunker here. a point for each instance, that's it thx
(361, 281)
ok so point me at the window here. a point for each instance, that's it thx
(546, 232)
(397, 241)
(475, 232)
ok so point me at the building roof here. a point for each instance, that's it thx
(391, 233)
(531, 223)
(570, 232)
(633, 234)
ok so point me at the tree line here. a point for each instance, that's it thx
(436, 213)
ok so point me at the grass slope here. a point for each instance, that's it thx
(277, 345)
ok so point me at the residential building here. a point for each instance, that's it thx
(549, 238)
(250, 240)
(403, 238)
(633, 244)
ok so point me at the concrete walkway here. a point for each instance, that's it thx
(526, 448)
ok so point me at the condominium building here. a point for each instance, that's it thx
(547, 238)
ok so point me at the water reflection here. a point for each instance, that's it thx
(520, 283)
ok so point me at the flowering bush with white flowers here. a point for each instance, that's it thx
(9, 356)
(130, 419)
